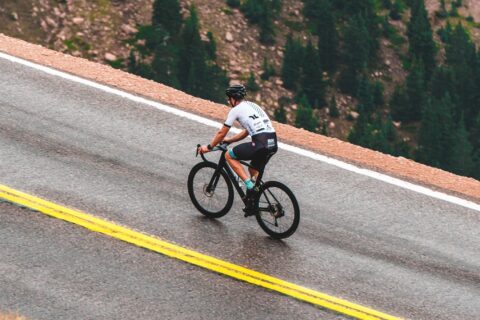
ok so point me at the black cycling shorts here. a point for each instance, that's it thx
(262, 147)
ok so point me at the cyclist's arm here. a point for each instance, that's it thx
(220, 136)
(237, 137)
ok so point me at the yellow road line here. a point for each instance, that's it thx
(190, 256)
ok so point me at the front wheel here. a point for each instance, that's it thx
(277, 211)
(212, 196)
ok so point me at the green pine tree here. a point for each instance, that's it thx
(437, 134)
(476, 165)
(442, 82)
(132, 62)
(442, 11)
(378, 139)
(389, 130)
(378, 98)
(386, 4)
(324, 128)
(419, 31)
(333, 110)
(197, 74)
(233, 3)
(145, 70)
(267, 30)
(367, 9)
(398, 103)
(476, 133)
(305, 117)
(417, 93)
(276, 5)
(268, 70)
(211, 46)
(312, 11)
(216, 83)
(292, 64)
(164, 64)
(462, 150)
(360, 132)
(445, 32)
(453, 11)
(462, 59)
(192, 56)
(280, 114)
(396, 10)
(166, 13)
(172, 52)
(312, 84)
(261, 12)
(377, 134)
(151, 36)
(253, 10)
(365, 96)
(460, 49)
(251, 83)
(356, 53)
(327, 37)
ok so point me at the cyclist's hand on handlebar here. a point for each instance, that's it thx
(203, 149)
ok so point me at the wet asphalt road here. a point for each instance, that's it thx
(52, 269)
(359, 239)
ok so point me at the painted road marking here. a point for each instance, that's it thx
(215, 124)
(154, 244)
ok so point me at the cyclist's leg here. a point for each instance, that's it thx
(242, 151)
(267, 146)
(259, 162)
(236, 166)
(253, 173)
(261, 158)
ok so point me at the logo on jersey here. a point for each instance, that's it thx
(254, 116)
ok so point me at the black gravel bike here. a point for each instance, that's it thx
(210, 186)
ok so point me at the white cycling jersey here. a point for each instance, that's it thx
(251, 117)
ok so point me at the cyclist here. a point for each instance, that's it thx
(257, 124)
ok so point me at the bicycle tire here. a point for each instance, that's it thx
(266, 190)
(195, 194)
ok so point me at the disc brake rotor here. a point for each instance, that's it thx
(206, 192)
(276, 210)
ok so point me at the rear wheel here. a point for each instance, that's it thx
(277, 211)
(213, 200)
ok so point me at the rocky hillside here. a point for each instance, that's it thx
(98, 30)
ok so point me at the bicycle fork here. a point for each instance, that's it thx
(216, 176)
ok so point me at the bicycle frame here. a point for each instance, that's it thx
(269, 203)
(223, 165)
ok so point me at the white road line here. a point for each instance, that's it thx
(215, 124)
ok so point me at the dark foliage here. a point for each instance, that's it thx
(333, 109)
(166, 13)
(327, 33)
(172, 52)
(419, 31)
(312, 84)
(357, 53)
(261, 12)
(305, 117)
(252, 85)
(292, 64)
